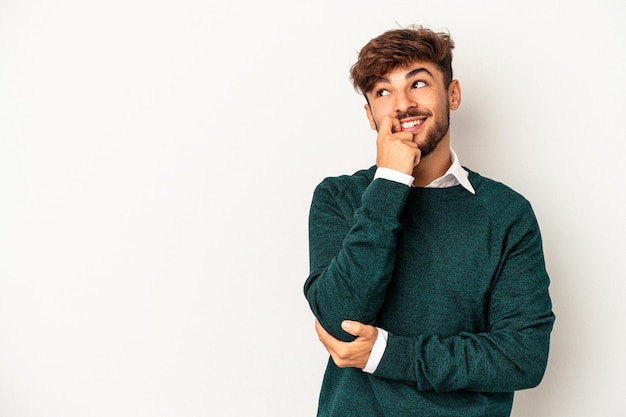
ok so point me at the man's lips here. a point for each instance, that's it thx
(412, 124)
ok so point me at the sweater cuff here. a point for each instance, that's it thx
(399, 360)
(385, 196)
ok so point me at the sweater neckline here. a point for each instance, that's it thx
(439, 194)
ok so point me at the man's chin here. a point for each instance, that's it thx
(428, 147)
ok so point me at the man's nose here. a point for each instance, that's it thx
(404, 102)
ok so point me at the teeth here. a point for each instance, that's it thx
(408, 125)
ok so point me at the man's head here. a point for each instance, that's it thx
(406, 74)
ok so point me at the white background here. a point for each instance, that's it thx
(157, 160)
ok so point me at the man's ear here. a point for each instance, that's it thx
(370, 117)
(454, 94)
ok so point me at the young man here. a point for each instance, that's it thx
(427, 280)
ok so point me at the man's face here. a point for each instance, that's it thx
(417, 96)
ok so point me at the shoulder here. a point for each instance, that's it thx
(497, 197)
(345, 186)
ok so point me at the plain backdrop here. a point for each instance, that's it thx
(157, 162)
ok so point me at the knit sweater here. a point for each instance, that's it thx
(458, 280)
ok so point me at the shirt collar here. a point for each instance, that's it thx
(454, 175)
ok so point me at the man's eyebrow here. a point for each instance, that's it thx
(380, 79)
(410, 74)
(416, 71)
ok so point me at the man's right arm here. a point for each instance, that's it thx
(352, 249)
(352, 259)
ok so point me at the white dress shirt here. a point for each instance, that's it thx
(455, 175)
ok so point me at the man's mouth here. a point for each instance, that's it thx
(408, 125)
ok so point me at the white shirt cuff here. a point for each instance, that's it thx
(393, 175)
(377, 351)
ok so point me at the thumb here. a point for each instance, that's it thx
(356, 328)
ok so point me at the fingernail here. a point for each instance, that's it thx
(345, 325)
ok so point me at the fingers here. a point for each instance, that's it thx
(396, 149)
(359, 329)
(395, 125)
(330, 343)
(389, 125)
(355, 328)
(349, 354)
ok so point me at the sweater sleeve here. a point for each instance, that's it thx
(352, 252)
(512, 354)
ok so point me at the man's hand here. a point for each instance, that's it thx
(349, 354)
(395, 148)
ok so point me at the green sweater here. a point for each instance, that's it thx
(458, 280)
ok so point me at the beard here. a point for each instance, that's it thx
(435, 134)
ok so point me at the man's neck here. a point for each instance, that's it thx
(434, 165)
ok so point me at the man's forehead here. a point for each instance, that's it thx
(412, 70)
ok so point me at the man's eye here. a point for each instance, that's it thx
(381, 93)
(419, 84)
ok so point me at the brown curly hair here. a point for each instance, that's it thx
(398, 48)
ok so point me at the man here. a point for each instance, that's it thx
(427, 280)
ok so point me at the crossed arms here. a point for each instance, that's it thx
(352, 263)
